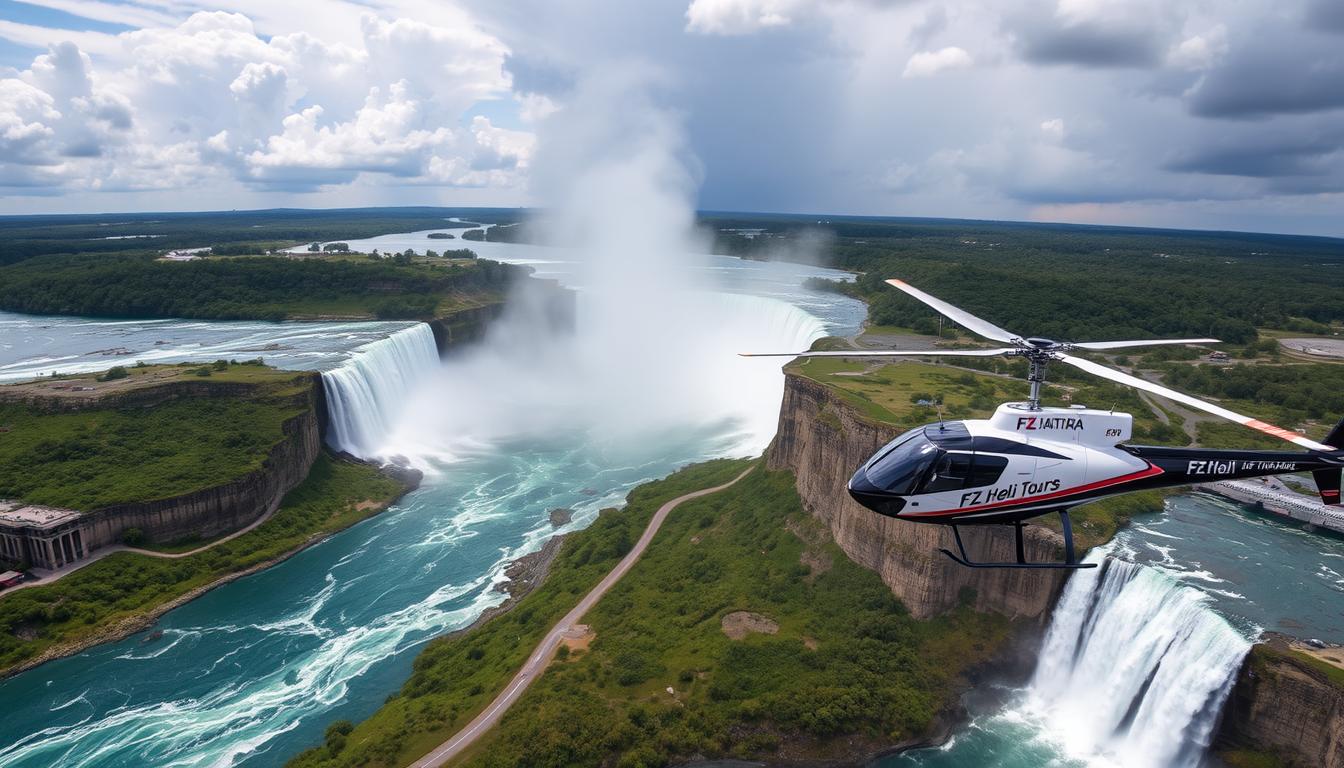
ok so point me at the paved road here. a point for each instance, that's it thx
(541, 656)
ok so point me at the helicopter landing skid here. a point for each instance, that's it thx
(1070, 558)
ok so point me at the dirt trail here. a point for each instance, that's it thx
(566, 628)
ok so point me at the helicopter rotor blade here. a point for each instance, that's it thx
(1139, 343)
(959, 316)
(889, 353)
(1121, 377)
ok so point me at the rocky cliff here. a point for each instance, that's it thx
(223, 508)
(1286, 706)
(822, 440)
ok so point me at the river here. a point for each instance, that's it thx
(252, 672)
(1135, 664)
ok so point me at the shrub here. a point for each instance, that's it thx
(114, 373)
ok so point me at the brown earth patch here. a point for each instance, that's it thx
(1333, 655)
(578, 638)
(738, 624)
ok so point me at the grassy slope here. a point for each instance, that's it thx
(124, 585)
(847, 658)
(95, 458)
(457, 675)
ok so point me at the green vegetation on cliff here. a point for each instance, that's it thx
(119, 451)
(844, 657)
(104, 599)
(266, 288)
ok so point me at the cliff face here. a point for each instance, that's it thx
(822, 440)
(223, 508)
(1286, 706)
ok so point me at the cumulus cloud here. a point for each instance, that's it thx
(212, 96)
(929, 63)
(737, 17)
(1199, 52)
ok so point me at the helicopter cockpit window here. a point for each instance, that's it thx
(950, 473)
(954, 471)
(987, 470)
(904, 465)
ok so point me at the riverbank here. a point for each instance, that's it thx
(126, 592)
(830, 667)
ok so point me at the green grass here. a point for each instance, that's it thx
(847, 659)
(126, 584)
(457, 675)
(95, 458)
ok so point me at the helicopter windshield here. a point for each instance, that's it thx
(903, 464)
(914, 464)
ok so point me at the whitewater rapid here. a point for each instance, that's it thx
(254, 671)
(1135, 667)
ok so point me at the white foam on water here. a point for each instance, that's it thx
(1134, 668)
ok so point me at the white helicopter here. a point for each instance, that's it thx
(1028, 460)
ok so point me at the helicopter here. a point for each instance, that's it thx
(1029, 460)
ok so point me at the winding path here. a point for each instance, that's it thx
(545, 650)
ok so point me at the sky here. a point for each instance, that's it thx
(1211, 114)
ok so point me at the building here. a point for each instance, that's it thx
(42, 537)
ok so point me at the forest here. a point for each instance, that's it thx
(1066, 282)
(265, 288)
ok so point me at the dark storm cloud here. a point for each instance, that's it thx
(1089, 45)
(1134, 36)
(1278, 72)
(1326, 15)
(1265, 157)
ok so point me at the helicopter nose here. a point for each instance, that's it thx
(862, 490)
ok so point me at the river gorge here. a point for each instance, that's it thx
(537, 418)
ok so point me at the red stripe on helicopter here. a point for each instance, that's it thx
(1141, 474)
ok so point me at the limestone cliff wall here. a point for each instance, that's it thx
(1285, 706)
(822, 440)
(221, 509)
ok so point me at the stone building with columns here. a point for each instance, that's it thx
(42, 537)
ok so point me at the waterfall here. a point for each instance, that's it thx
(366, 393)
(1135, 666)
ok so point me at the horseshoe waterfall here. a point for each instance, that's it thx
(365, 394)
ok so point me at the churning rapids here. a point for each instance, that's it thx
(1135, 665)
(252, 672)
